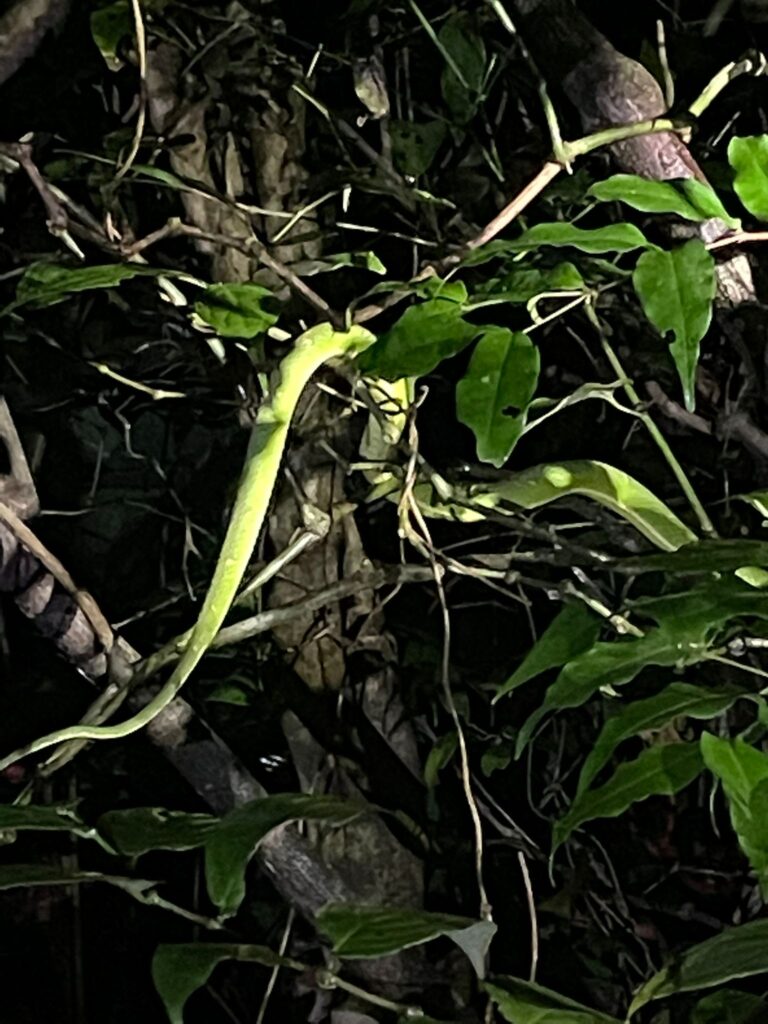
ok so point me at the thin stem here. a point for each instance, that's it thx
(685, 484)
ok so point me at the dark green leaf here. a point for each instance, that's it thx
(466, 51)
(749, 158)
(524, 1002)
(676, 290)
(687, 198)
(439, 756)
(611, 238)
(525, 284)
(573, 630)
(110, 25)
(738, 952)
(705, 556)
(179, 970)
(415, 145)
(661, 770)
(32, 816)
(236, 310)
(492, 398)
(140, 829)
(729, 1006)
(743, 772)
(361, 932)
(676, 700)
(681, 639)
(420, 340)
(339, 261)
(45, 284)
(24, 876)
(496, 758)
(230, 847)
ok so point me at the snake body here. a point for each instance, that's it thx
(314, 348)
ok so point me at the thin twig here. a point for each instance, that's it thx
(141, 47)
(532, 914)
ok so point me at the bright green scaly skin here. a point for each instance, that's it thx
(315, 347)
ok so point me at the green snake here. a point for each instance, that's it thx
(314, 348)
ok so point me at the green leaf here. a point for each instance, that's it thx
(420, 340)
(743, 772)
(137, 830)
(661, 770)
(230, 847)
(573, 630)
(439, 756)
(748, 156)
(466, 53)
(525, 284)
(35, 816)
(736, 953)
(339, 261)
(26, 876)
(236, 310)
(707, 201)
(415, 145)
(688, 624)
(524, 1002)
(179, 970)
(676, 290)
(495, 758)
(45, 284)
(605, 484)
(611, 238)
(492, 398)
(705, 556)
(110, 25)
(729, 1006)
(676, 700)
(362, 932)
(688, 198)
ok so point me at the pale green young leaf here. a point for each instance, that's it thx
(676, 700)
(361, 932)
(229, 848)
(660, 770)
(676, 290)
(525, 1002)
(236, 310)
(738, 952)
(605, 484)
(748, 156)
(573, 630)
(492, 397)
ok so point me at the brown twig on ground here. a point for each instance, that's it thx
(673, 411)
